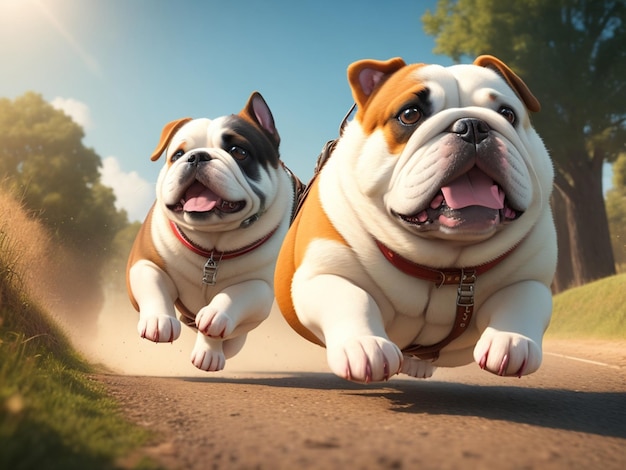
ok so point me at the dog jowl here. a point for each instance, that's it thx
(208, 246)
(426, 238)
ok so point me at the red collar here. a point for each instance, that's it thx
(215, 253)
(440, 277)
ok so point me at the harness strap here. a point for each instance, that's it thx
(465, 278)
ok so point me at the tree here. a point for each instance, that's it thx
(572, 54)
(616, 211)
(43, 161)
(115, 272)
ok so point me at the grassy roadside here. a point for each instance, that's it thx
(52, 414)
(594, 311)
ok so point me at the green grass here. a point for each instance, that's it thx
(594, 311)
(53, 415)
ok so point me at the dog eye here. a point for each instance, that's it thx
(508, 114)
(238, 153)
(176, 155)
(410, 116)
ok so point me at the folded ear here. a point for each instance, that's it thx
(512, 79)
(365, 75)
(257, 111)
(166, 136)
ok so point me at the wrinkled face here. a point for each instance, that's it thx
(218, 173)
(451, 151)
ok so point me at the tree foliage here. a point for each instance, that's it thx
(115, 272)
(43, 160)
(572, 54)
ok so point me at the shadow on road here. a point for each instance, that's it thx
(601, 413)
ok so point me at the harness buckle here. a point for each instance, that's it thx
(465, 295)
(209, 272)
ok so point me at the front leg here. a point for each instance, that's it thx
(513, 322)
(210, 354)
(236, 310)
(154, 293)
(348, 321)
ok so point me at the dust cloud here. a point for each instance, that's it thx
(115, 344)
(102, 324)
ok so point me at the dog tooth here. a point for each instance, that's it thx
(437, 201)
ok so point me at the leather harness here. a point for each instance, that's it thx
(465, 278)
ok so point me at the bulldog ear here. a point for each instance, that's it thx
(257, 110)
(166, 135)
(512, 79)
(365, 75)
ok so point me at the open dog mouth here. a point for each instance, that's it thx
(472, 199)
(199, 198)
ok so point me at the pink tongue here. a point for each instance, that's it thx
(474, 188)
(199, 198)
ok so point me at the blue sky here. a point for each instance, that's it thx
(124, 68)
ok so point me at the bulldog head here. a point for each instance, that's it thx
(448, 152)
(219, 174)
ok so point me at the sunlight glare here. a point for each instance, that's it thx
(26, 20)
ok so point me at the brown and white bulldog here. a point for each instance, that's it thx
(426, 239)
(209, 244)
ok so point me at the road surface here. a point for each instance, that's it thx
(294, 414)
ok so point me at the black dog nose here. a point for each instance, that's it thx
(198, 157)
(471, 130)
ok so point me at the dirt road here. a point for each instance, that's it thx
(571, 414)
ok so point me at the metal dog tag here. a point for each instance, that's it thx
(209, 272)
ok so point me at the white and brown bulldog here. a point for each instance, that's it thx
(209, 244)
(426, 239)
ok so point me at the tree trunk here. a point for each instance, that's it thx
(564, 277)
(587, 254)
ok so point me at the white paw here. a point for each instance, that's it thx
(417, 368)
(206, 359)
(213, 323)
(365, 359)
(507, 354)
(158, 328)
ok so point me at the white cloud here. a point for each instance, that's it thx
(77, 110)
(132, 193)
